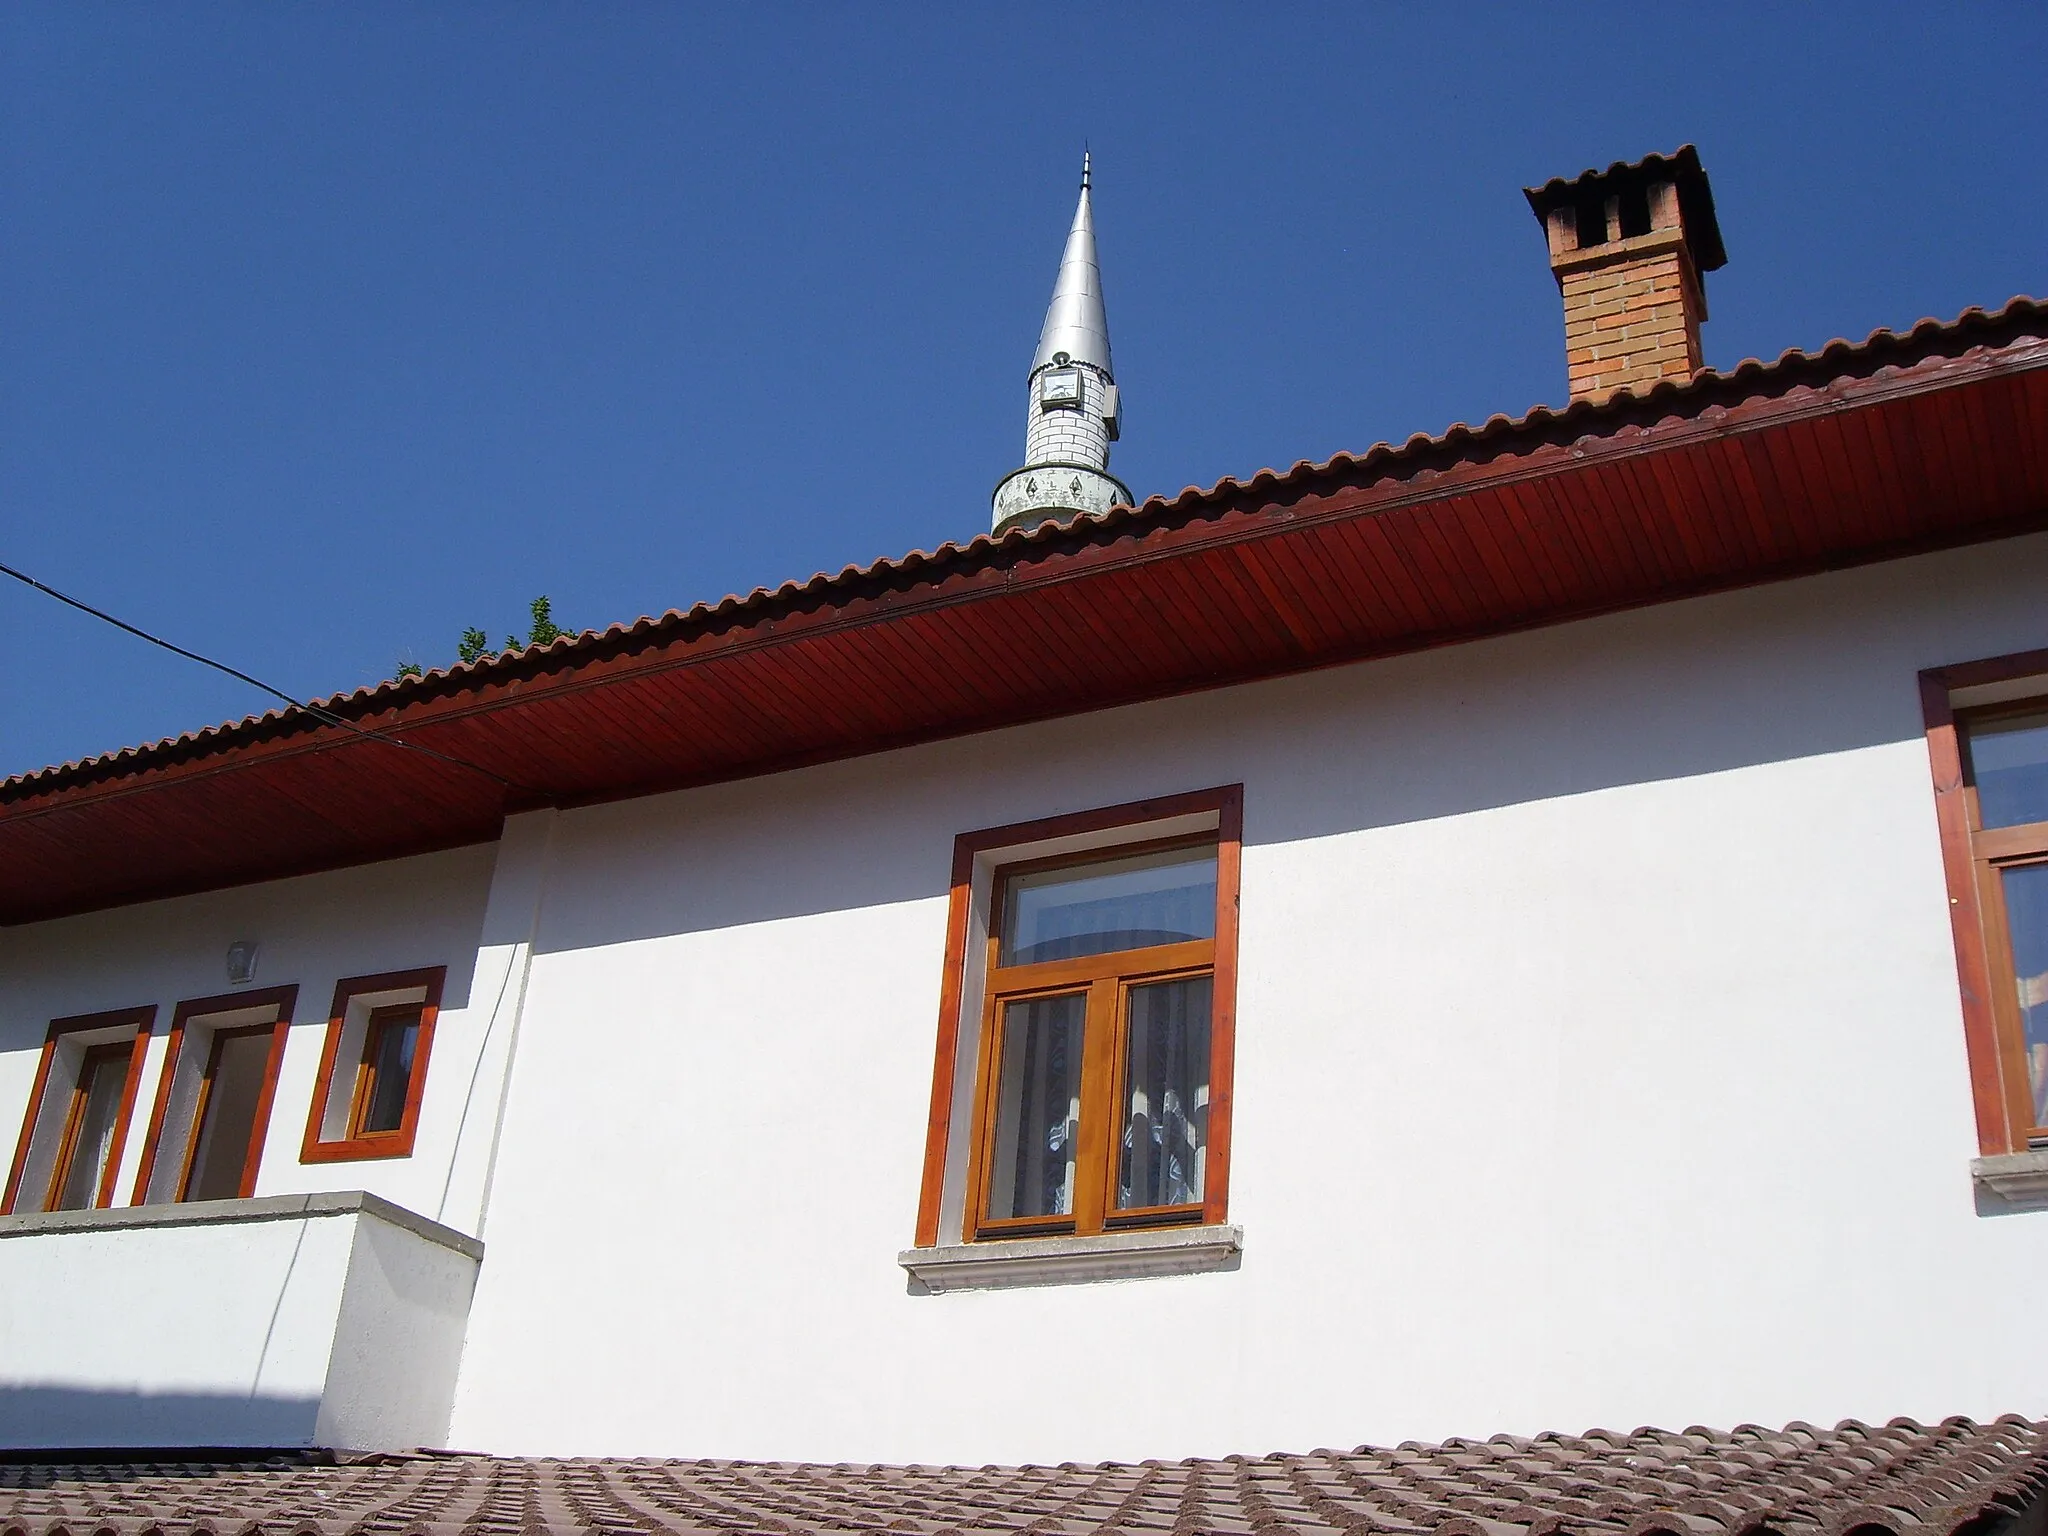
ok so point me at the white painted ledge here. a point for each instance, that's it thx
(207, 1213)
(1073, 1260)
(2019, 1178)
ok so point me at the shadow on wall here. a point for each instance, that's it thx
(59, 1418)
(368, 918)
(1768, 674)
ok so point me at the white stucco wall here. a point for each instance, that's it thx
(1599, 1062)
(314, 930)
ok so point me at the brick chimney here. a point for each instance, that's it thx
(1630, 245)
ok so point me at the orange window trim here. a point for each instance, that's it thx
(281, 1000)
(399, 1143)
(140, 1019)
(1226, 803)
(1998, 1085)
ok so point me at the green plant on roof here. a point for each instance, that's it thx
(544, 627)
(475, 644)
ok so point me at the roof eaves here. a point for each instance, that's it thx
(1924, 342)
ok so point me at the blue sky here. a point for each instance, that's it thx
(326, 331)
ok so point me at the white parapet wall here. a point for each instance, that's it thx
(290, 1320)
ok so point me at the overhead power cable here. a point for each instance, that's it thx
(324, 715)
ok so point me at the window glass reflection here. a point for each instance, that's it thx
(2009, 761)
(229, 1099)
(389, 1066)
(2026, 917)
(1038, 1110)
(1165, 1138)
(104, 1075)
(1093, 909)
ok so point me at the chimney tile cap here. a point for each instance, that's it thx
(1681, 167)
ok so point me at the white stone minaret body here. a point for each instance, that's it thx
(1073, 414)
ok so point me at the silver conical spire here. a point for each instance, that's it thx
(1075, 321)
(1074, 413)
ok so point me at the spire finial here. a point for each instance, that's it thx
(1084, 167)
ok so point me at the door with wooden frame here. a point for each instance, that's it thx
(225, 1145)
(83, 1175)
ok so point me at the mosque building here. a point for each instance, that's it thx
(1536, 926)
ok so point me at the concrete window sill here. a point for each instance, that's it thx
(1072, 1260)
(2017, 1178)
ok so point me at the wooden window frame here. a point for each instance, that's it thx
(139, 1020)
(281, 1000)
(1972, 859)
(1119, 971)
(356, 1146)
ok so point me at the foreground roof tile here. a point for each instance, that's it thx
(1955, 1478)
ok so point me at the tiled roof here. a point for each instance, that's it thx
(1895, 446)
(1956, 1478)
(1926, 341)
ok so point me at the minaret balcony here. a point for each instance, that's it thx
(1054, 492)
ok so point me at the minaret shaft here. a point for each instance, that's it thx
(1070, 436)
(1072, 410)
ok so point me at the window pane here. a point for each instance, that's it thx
(230, 1117)
(1092, 909)
(1166, 1095)
(1038, 1107)
(106, 1074)
(390, 1069)
(2009, 759)
(2026, 916)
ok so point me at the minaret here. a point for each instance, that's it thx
(1073, 415)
